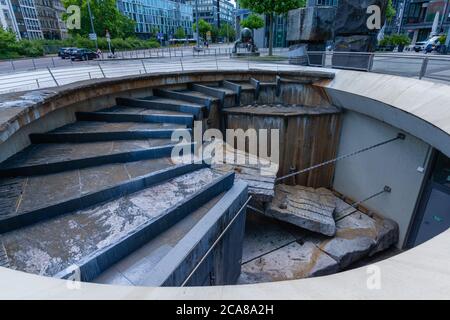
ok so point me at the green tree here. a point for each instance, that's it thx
(180, 33)
(390, 11)
(271, 8)
(106, 17)
(227, 31)
(253, 22)
(204, 28)
(7, 40)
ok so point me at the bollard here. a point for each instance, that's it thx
(423, 69)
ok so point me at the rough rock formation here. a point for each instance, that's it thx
(308, 208)
(288, 252)
(294, 261)
(312, 24)
(351, 16)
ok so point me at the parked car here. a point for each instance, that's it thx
(64, 53)
(83, 54)
(419, 46)
(432, 44)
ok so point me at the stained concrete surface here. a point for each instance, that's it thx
(48, 247)
(134, 269)
(56, 152)
(24, 194)
(98, 126)
(143, 111)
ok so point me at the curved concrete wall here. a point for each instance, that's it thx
(416, 107)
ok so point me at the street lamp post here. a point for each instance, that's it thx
(92, 23)
(197, 24)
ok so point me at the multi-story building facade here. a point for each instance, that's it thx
(161, 16)
(215, 12)
(416, 17)
(7, 17)
(49, 13)
(33, 19)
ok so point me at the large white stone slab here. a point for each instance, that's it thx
(308, 208)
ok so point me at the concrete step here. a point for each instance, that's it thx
(38, 198)
(92, 131)
(151, 116)
(133, 270)
(247, 90)
(227, 97)
(165, 104)
(186, 95)
(89, 241)
(49, 158)
(169, 258)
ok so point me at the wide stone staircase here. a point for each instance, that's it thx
(102, 199)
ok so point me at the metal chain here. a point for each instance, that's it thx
(400, 136)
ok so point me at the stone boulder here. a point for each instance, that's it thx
(311, 24)
(294, 261)
(351, 17)
(357, 235)
(308, 208)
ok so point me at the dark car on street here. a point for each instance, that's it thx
(83, 54)
(64, 53)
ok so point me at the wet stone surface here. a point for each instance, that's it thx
(97, 126)
(48, 247)
(57, 152)
(20, 195)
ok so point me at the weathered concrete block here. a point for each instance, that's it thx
(294, 261)
(357, 235)
(313, 24)
(308, 208)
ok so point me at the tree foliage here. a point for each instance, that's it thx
(106, 17)
(253, 22)
(180, 33)
(271, 8)
(204, 28)
(390, 11)
(227, 32)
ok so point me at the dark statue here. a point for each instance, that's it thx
(247, 43)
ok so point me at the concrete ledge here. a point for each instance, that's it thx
(421, 273)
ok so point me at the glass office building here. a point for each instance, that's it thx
(215, 12)
(161, 16)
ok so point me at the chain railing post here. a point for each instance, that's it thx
(143, 64)
(370, 62)
(101, 69)
(181, 62)
(423, 69)
(53, 77)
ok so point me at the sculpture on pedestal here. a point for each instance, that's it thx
(245, 46)
(347, 24)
